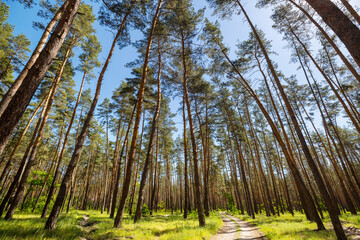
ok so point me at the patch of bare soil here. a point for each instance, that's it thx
(236, 229)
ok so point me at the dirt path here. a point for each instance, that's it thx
(228, 230)
(236, 229)
(248, 231)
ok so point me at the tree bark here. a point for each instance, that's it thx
(126, 184)
(322, 188)
(9, 162)
(304, 195)
(21, 99)
(30, 162)
(351, 10)
(197, 180)
(56, 173)
(118, 167)
(52, 220)
(343, 27)
(149, 154)
(328, 38)
(8, 96)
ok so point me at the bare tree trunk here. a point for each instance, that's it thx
(126, 184)
(186, 202)
(9, 162)
(149, 154)
(56, 173)
(118, 166)
(52, 220)
(306, 200)
(322, 188)
(132, 195)
(30, 162)
(329, 39)
(21, 99)
(205, 159)
(47, 31)
(115, 162)
(197, 180)
(351, 10)
(154, 189)
(22, 164)
(49, 171)
(343, 27)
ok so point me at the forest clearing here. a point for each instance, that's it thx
(180, 119)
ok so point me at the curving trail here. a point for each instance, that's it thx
(236, 229)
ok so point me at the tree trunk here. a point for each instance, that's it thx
(351, 10)
(52, 220)
(56, 173)
(154, 189)
(197, 180)
(21, 99)
(329, 39)
(322, 188)
(149, 154)
(118, 167)
(22, 164)
(186, 191)
(49, 171)
(132, 195)
(205, 159)
(9, 162)
(306, 200)
(343, 27)
(126, 184)
(30, 162)
(115, 162)
(38, 50)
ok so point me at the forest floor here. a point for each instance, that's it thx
(92, 225)
(234, 228)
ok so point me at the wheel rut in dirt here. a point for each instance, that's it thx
(237, 229)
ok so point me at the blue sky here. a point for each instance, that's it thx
(234, 30)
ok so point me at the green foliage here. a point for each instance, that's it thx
(161, 205)
(89, 58)
(26, 208)
(145, 210)
(13, 50)
(38, 177)
(230, 204)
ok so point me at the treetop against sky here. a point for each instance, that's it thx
(243, 105)
(234, 30)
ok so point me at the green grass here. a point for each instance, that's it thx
(160, 226)
(28, 226)
(163, 226)
(287, 227)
